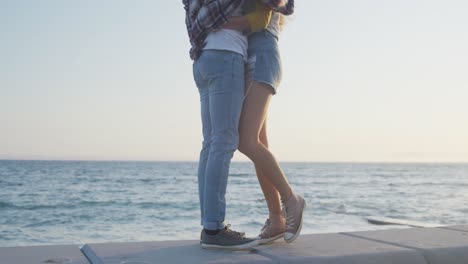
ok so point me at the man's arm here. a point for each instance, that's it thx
(202, 17)
(214, 14)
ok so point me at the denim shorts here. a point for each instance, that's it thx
(264, 61)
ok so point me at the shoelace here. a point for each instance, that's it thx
(267, 229)
(265, 226)
(233, 233)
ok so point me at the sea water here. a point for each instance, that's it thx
(77, 202)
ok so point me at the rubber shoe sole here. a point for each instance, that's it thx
(262, 241)
(245, 246)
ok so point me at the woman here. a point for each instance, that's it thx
(265, 74)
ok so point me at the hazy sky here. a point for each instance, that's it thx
(363, 80)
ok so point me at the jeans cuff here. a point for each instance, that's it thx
(214, 225)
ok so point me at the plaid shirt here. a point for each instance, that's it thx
(203, 16)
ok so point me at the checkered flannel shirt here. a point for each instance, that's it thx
(203, 16)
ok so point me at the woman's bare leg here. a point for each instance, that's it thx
(251, 122)
(252, 119)
(272, 195)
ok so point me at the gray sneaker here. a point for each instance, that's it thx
(269, 234)
(227, 239)
(294, 208)
(242, 234)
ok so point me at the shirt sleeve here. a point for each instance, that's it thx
(215, 13)
(205, 16)
(285, 7)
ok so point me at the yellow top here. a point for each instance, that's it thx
(258, 15)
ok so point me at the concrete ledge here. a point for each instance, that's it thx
(170, 252)
(447, 245)
(338, 248)
(62, 254)
(438, 245)
(463, 228)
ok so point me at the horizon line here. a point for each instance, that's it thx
(239, 161)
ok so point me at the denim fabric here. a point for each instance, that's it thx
(219, 76)
(264, 62)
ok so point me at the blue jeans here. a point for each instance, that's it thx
(219, 76)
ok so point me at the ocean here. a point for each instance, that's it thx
(77, 202)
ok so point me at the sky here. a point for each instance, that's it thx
(363, 81)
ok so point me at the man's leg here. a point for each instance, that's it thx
(226, 92)
(202, 85)
(223, 71)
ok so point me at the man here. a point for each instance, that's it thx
(219, 57)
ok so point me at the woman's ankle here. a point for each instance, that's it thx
(291, 197)
(276, 219)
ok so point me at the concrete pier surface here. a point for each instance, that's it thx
(435, 245)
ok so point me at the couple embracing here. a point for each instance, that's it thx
(237, 69)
